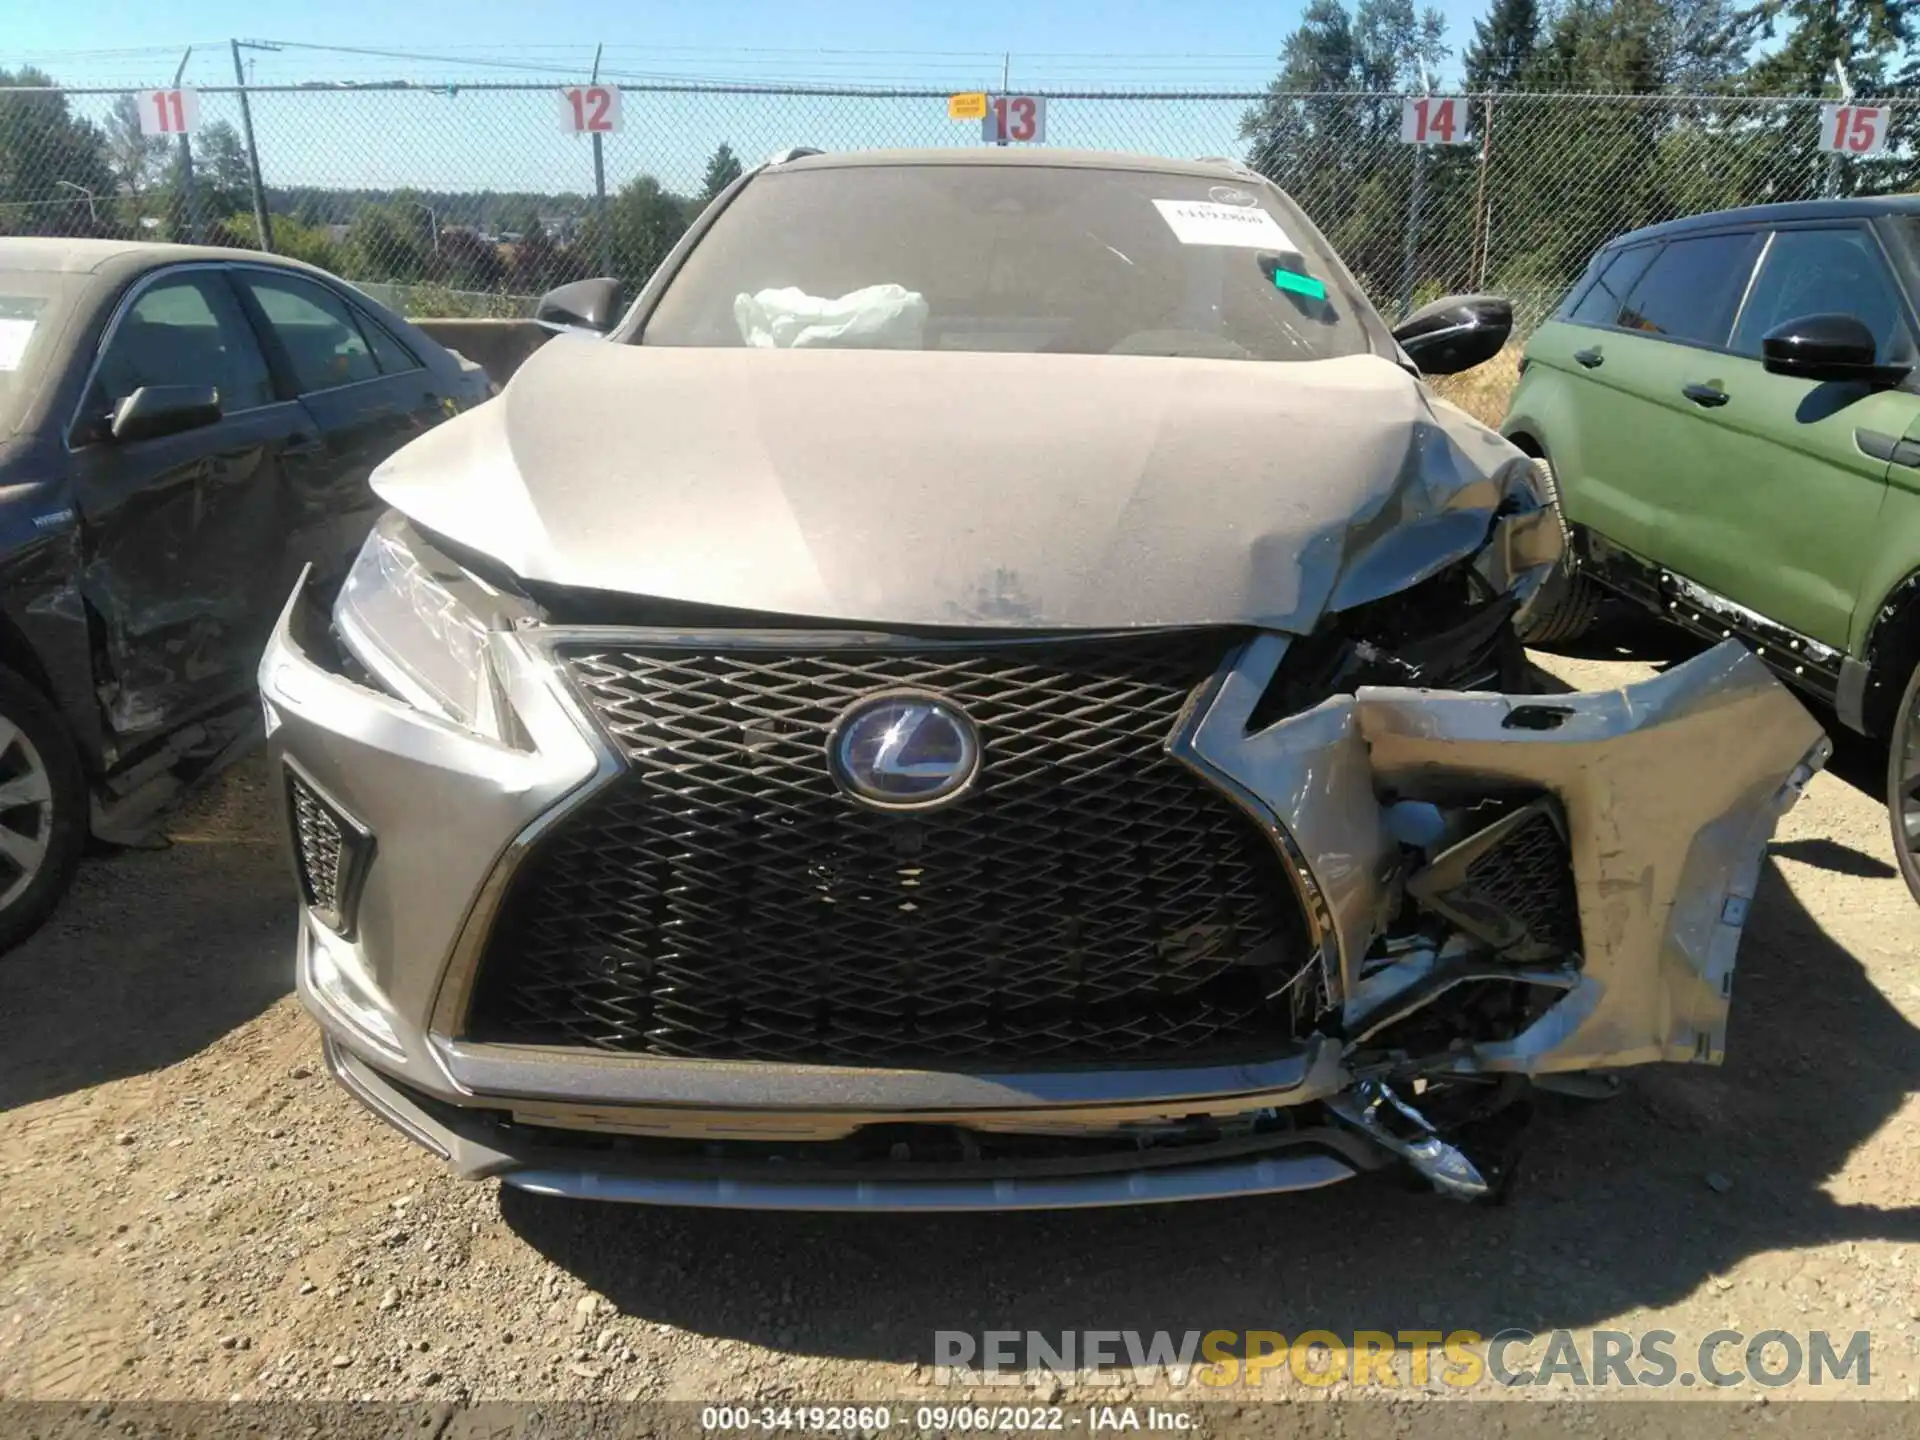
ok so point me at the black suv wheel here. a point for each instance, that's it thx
(1903, 783)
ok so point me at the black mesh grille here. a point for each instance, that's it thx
(1529, 875)
(323, 850)
(1089, 899)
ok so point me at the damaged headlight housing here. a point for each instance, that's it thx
(398, 615)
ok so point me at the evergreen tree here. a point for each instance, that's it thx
(1503, 44)
(43, 144)
(722, 170)
(1863, 35)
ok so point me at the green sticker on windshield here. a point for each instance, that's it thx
(1297, 284)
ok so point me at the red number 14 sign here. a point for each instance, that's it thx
(1434, 120)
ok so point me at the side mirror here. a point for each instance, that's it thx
(1456, 333)
(583, 305)
(1828, 347)
(156, 410)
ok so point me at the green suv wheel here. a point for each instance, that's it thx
(1571, 602)
(1903, 784)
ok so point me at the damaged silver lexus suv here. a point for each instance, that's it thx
(993, 685)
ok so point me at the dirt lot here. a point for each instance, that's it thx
(191, 1210)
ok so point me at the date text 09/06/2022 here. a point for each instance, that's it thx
(946, 1419)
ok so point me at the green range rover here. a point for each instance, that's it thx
(1729, 408)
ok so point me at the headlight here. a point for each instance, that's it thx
(399, 617)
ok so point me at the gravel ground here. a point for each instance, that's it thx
(191, 1210)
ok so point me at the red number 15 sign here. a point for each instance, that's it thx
(168, 112)
(1854, 129)
(590, 109)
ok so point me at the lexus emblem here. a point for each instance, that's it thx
(904, 751)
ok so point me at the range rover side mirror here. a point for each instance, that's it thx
(582, 305)
(1828, 347)
(156, 410)
(1456, 333)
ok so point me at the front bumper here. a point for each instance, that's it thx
(1669, 790)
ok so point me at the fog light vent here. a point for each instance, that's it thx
(329, 853)
(1510, 884)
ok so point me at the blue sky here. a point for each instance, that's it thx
(1220, 43)
(472, 139)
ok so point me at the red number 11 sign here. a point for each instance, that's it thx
(169, 112)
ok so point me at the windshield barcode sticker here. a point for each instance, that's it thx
(1201, 222)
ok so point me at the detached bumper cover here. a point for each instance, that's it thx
(1669, 788)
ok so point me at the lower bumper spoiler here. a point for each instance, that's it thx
(1304, 1159)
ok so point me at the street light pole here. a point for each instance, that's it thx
(433, 223)
(93, 215)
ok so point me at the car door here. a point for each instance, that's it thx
(367, 393)
(1642, 474)
(180, 535)
(1584, 404)
(1790, 474)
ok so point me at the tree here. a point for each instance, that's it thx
(466, 262)
(138, 160)
(722, 170)
(643, 222)
(1863, 35)
(1339, 154)
(388, 242)
(1503, 44)
(221, 173)
(46, 155)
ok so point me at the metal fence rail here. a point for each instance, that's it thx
(471, 199)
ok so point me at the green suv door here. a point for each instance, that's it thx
(1774, 500)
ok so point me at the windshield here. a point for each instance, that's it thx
(1068, 260)
(27, 311)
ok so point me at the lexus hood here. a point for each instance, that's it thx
(963, 489)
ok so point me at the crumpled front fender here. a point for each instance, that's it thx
(1669, 788)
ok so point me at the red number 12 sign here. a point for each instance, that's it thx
(590, 109)
(168, 112)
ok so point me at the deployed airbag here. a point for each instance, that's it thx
(878, 317)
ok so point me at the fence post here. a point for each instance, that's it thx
(1846, 98)
(190, 208)
(600, 184)
(1482, 217)
(262, 221)
(1413, 228)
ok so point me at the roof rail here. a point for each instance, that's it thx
(793, 152)
(1240, 167)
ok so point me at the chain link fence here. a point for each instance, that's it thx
(473, 199)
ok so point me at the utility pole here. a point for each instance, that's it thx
(189, 208)
(262, 221)
(1833, 161)
(600, 182)
(1006, 83)
(1413, 207)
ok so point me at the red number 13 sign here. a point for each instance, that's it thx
(1019, 118)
